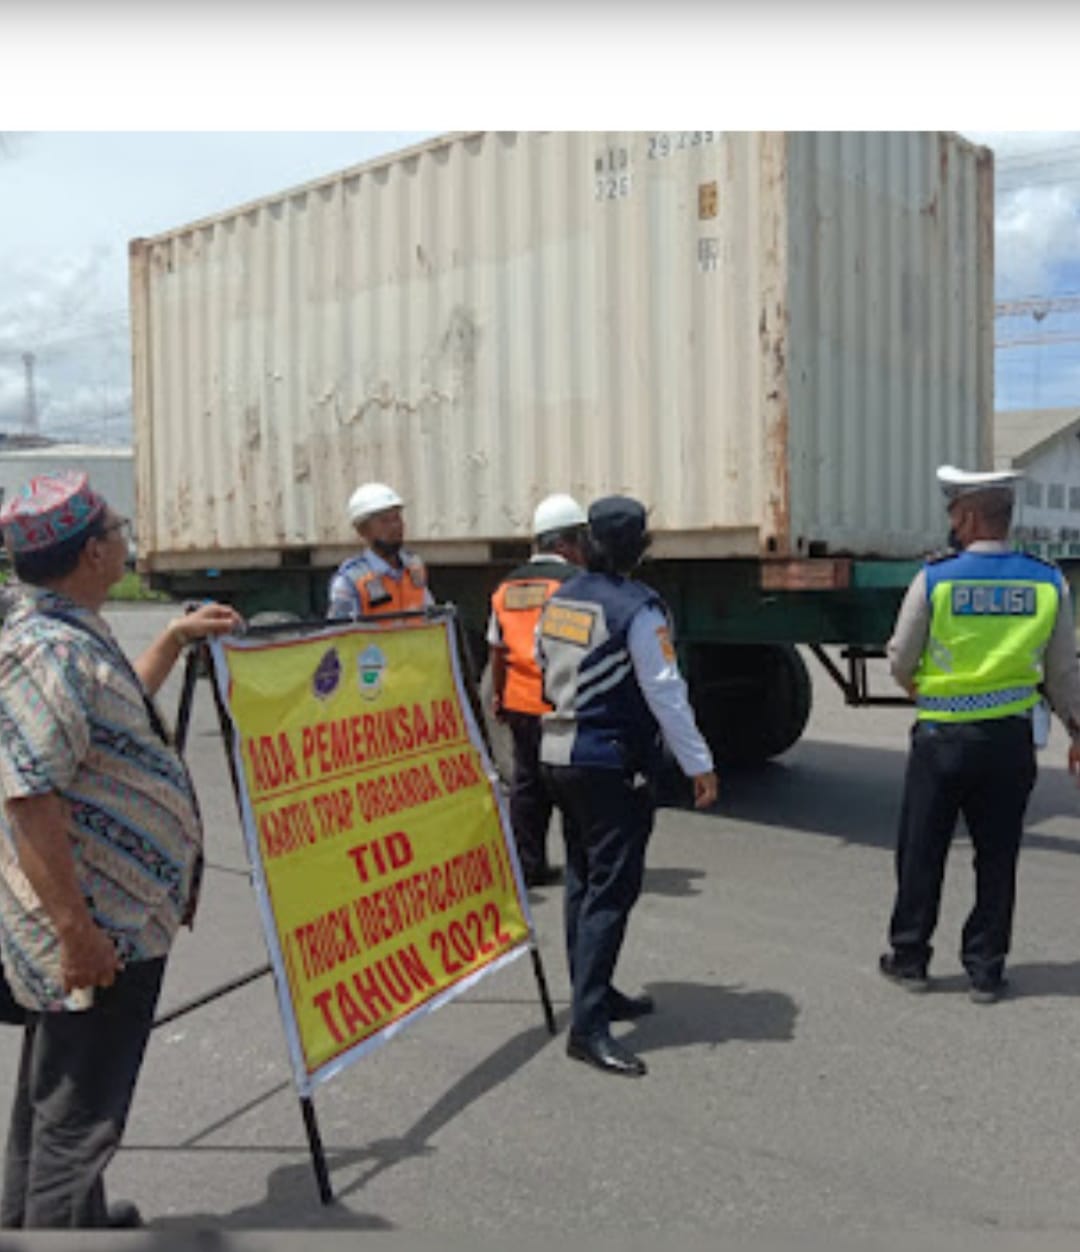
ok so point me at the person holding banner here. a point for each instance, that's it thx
(385, 577)
(604, 647)
(559, 532)
(100, 849)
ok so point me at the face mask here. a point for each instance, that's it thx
(953, 541)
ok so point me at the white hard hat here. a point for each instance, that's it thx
(371, 498)
(558, 512)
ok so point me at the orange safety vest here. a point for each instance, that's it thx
(380, 594)
(517, 604)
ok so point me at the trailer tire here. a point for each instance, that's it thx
(752, 701)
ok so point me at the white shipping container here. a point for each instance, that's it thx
(770, 338)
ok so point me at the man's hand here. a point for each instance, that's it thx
(1074, 761)
(88, 958)
(205, 621)
(706, 790)
(155, 664)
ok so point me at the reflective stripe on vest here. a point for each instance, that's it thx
(599, 717)
(517, 604)
(991, 617)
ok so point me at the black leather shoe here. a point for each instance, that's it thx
(910, 977)
(987, 990)
(546, 876)
(605, 1053)
(624, 1008)
(123, 1215)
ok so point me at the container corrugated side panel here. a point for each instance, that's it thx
(891, 334)
(572, 340)
(478, 323)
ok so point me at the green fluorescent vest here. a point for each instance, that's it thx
(991, 617)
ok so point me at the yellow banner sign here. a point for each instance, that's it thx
(386, 876)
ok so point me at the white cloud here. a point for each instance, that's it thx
(46, 299)
(1037, 231)
(1037, 211)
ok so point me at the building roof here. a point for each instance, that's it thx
(1021, 434)
(64, 452)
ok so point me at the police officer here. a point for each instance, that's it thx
(559, 531)
(385, 577)
(977, 633)
(604, 646)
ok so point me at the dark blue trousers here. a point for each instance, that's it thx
(984, 770)
(609, 824)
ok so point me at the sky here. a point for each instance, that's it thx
(69, 204)
(71, 199)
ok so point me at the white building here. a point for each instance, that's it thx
(1045, 444)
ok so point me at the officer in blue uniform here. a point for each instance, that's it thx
(610, 674)
(979, 632)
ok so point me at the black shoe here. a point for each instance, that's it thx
(624, 1008)
(123, 1215)
(987, 990)
(605, 1053)
(910, 977)
(545, 876)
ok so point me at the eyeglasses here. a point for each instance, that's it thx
(123, 525)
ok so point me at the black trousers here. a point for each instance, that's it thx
(530, 800)
(608, 830)
(984, 770)
(76, 1080)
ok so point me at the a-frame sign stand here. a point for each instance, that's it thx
(198, 662)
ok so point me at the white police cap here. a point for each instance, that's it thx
(957, 482)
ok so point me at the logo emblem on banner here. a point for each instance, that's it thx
(372, 665)
(327, 675)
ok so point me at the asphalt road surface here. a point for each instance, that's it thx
(790, 1088)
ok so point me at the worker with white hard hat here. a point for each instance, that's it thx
(558, 528)
(980, 632)
(385, 577)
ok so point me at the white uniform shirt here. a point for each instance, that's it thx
(664, 689)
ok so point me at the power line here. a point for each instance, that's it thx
(1037, 156)
(1054, 180)
(1040, 341)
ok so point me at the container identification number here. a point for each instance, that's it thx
(614, 181)
(664, 144)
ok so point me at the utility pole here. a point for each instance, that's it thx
(30, 417)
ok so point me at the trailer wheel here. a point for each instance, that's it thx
(502, 742)
(752, 701)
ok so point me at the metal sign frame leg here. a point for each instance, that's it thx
(196, 658)
(197, 661)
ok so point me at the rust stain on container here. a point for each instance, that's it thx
(772, 338)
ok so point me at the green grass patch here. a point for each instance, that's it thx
(133, 589)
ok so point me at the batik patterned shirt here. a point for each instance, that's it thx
(74, 722)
